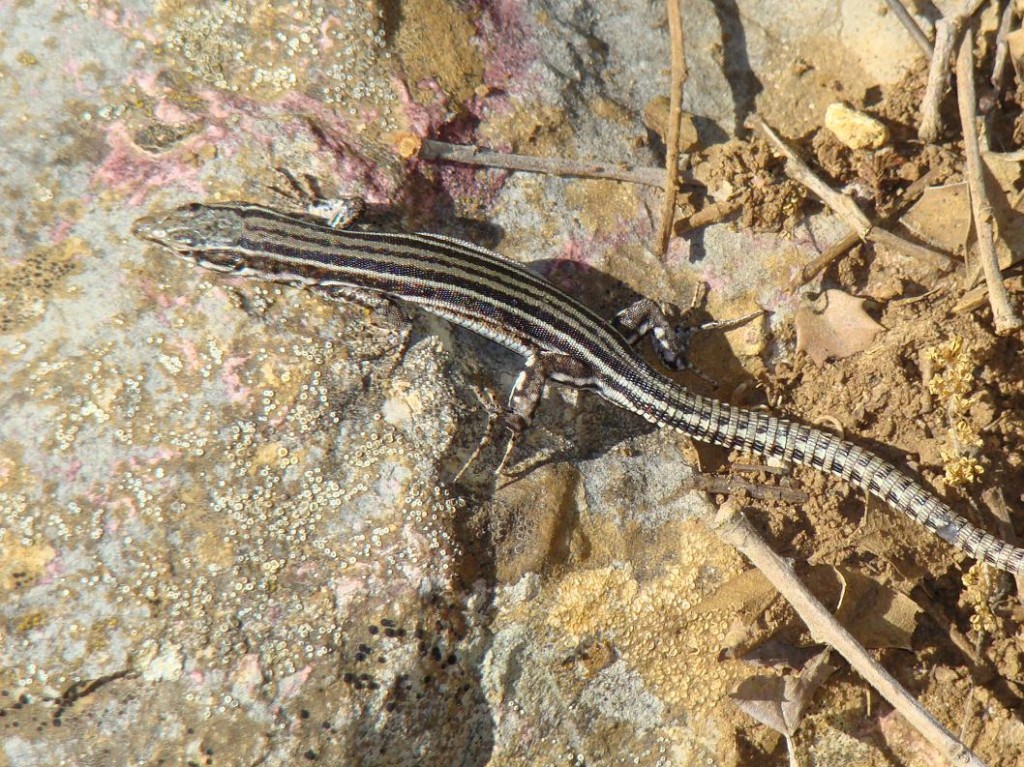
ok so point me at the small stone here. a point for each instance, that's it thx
(855, 129)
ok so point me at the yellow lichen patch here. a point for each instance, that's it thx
(539, 130)
(27, 286)
(982, 588)
(30, 621)
(21, 566)
(583, 599)
(653, 624)
(531, 519)
(8, 470)
(435, 43)
(953, 381)
(275, 375)
(602, 206)
(211, 549)
(613, 111)
(607, 541)
(269, 454)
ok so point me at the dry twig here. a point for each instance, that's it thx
(734, 529)
(845, 207)
(947, 30)
(1002, 56)
(555, 166)
(901, 13)
(837, 249)
(706, 216)
(799, 171)
(735, 486)
(675, 117)
(977, 297)
(1005, 319)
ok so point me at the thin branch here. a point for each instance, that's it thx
(714, 485)
(675, 117)
(1004, 317)
(846, 208)
(706, 216)
(555, 166)
(901, 13)
(977, 297)
(837, 249)
(947, 30)
(1002, 56)
(799, 171)
(735, 530)
(936, 258)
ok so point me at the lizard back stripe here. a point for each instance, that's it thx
(502, 300)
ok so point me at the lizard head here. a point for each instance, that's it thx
(207, 235)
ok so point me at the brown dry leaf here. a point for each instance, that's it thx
(942, 217)
(774, 653)
(1006, 170)
(876, 614)
(749, 593)
(1015, 42)
(834, 326)
(780, 702)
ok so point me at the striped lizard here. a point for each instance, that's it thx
(561, 339)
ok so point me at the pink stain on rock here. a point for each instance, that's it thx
(421, 120)
(191, 355)
(162, 301)
(509, 52)
(54, 569)
(237, 391)
(72, 470)
(60, 230)
(247, 676)
(292, 685)
(135, 172)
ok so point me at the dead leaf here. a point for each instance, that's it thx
(1006, 170)
(835, 326)
(1015, 43)
(776, 654)
(942, 217)
(780, 702)
(875, 613)
(749, 593)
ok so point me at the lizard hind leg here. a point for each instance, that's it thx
(494, 418)
(540, 367)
